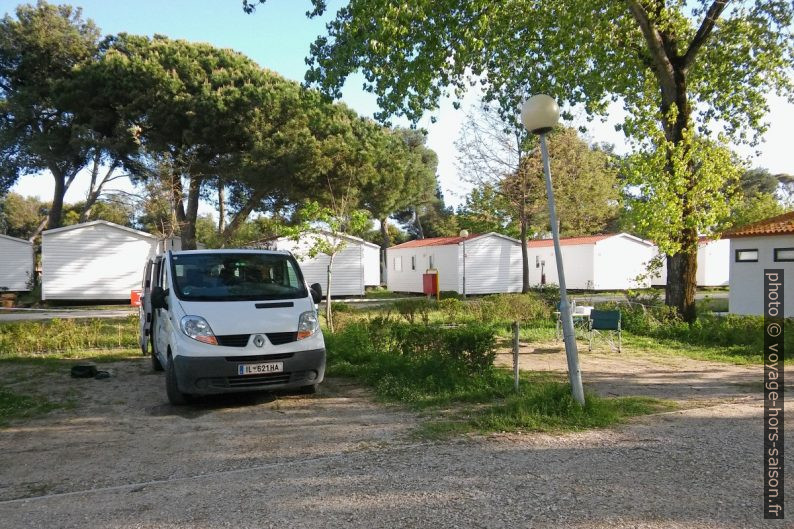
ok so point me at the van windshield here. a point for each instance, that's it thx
(236, 277)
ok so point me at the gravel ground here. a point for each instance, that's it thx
(123, 458)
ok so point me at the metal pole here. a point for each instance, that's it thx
(464, 268)
(574, 374)
(515, 354)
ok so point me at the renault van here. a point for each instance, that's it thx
(220, 321)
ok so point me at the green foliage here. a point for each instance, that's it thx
(487, 210)
(426, 366)
(67, 335)
(414, 310)
(507, 308)
(20, 216)
(743, 335)
(661, 211)
(684, 72)
(41, 51)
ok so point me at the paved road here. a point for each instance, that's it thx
(17, 315)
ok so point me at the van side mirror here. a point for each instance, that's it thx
(317, 292)
(159, 298)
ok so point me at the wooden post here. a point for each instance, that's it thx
(515, 354)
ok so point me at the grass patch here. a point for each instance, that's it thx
(59, 359)
(67, 335)
(15, 406)
(460, 398)
(709, 304)
(382, 293)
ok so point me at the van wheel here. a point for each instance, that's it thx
(175, 397)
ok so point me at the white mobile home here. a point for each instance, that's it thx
(492, 264)
(597, 262)
(356, 267)
(95, 260)
(713, 264)
(16, 266)
(763, 245)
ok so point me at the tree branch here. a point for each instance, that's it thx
(656, 46)
(705, 29)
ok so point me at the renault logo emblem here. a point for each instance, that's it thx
(259, 340)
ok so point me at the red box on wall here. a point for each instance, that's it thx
(430, 283)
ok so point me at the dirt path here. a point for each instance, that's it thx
(677, 378)
(123, 458)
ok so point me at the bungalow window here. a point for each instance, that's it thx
(430, 262)
(746, 256)
(398, 264)
(413, 262)
(784, 255)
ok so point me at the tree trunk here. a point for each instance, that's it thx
(384, 243)
(524, 253)
(329, 320)
(420, 233)
(682, 266)
(682, 278)
(221, 208)
(242, 215)
(56, 210)
(191, 213)
(672, 59)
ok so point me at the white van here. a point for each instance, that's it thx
(222, 321)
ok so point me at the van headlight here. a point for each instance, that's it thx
(197, 328)
(307, 324)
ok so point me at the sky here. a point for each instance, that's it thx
(278, 36)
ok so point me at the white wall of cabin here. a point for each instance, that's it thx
(16, 264)
(93, 262)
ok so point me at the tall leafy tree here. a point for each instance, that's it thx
(195, 109)
(682, 67)
(486, 209)
(41, 50)
(504, 162)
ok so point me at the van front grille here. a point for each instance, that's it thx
(241, 340)
(279, 338)
(233, 340)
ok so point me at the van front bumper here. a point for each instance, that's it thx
(219, 374)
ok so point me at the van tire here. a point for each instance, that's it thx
(175, 397)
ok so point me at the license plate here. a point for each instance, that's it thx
(260, 369)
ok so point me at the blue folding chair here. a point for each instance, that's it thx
(607, 324)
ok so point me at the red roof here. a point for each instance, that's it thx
(433, 241)
(780, 225)
(568, 241)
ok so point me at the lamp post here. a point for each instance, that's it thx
(540, 115)
(464, 234)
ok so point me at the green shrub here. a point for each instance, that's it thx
(414, 309)
(338, 306)
(452, 309)
(505, 308)
(662, 322)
